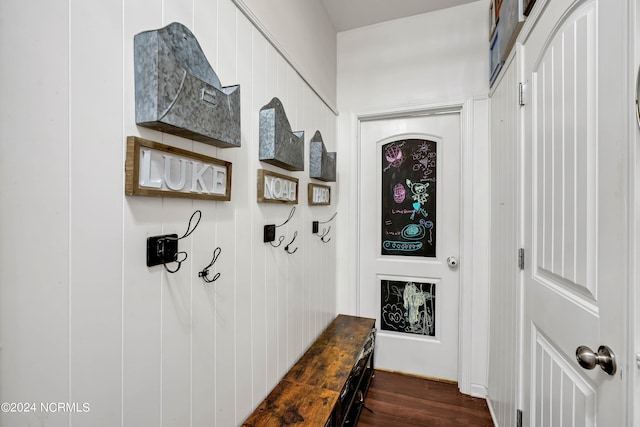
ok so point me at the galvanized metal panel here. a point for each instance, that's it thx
(279, 145)
(322, 164)
(178, 92)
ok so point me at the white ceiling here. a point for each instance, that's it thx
(350, 14)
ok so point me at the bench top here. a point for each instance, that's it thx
(309, 391)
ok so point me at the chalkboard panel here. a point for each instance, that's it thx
(409, 198)
(408, 307)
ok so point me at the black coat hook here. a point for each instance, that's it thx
(178, 261)
(280, 240)
(205, 271)
(186, 234)
(330, 219)
(325, 232)
(164, 249)
(286, 248)
(293, 210)
(270, 231)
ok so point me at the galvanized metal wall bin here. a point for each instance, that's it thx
(279, 145)
(178, 92)
(322, 164)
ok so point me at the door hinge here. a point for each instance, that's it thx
(518, 418)
(521, 93)
(521, 258)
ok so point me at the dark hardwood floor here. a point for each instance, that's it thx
(397, 400)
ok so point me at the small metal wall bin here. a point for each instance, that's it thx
(322, 164)
(279, 145)
(178, 92)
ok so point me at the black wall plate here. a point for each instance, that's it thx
(162, 249)
(269, 233)
(314, 227)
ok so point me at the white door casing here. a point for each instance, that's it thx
(575, 222)
(427, 356)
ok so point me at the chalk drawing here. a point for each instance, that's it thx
(408, 189)
(399, 193)
(394, 155)
(408, 307)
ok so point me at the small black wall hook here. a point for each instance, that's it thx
(286, 248)
(325, 232)
(280, 240)
(164, 249)
(178, 261)
(330, 219)
(205, 271)
(270, 231)
(293, 210)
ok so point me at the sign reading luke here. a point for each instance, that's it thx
(154, 169)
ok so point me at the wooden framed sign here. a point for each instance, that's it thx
(276, 188)
(319, 195)
(158, 170)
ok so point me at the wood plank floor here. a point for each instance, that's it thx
(398, 400)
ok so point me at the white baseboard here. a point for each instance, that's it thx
(477, 390)
(493, 415)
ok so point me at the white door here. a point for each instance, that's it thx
(409, 226)
(576, 229)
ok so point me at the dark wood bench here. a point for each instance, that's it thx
(327, 386)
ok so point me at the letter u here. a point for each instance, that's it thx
(167, 173)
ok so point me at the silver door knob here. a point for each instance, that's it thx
(604, 357)
(452, 261)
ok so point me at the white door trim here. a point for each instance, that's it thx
(633, 333)
(465, 109)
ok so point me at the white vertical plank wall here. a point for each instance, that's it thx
(34, 207)
(504, 282)
(82, 318)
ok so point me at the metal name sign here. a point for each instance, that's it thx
(276, 188)
(319, 195)
(154, 169)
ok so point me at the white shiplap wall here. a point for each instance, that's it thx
(504, 274)
(82, 319)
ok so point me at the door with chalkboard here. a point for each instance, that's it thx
(409, 226)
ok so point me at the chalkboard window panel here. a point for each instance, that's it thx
(408, 205)
(408, 307)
